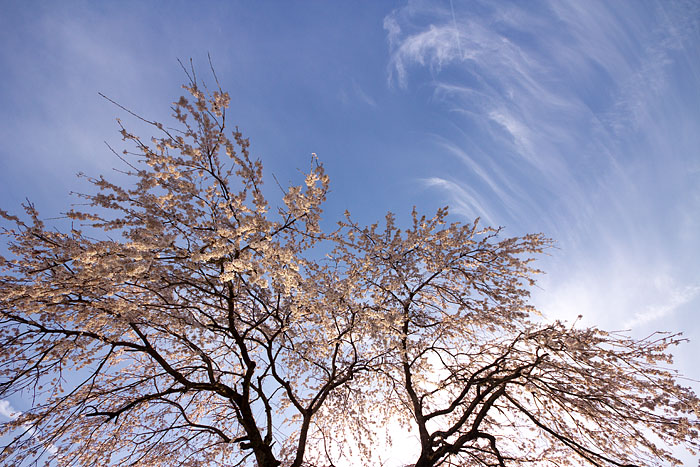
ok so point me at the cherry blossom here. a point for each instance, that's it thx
(184, 319)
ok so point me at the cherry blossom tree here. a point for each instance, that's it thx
(184, 319)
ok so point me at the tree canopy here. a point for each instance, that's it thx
(184, 319)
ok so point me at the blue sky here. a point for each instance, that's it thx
(579, 119)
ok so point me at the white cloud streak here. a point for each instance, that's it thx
(676, 299)
(6, 410)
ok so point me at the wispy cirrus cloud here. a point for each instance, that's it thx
(354, 93)
(465, 201)
(675, 299)
(573, 119)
